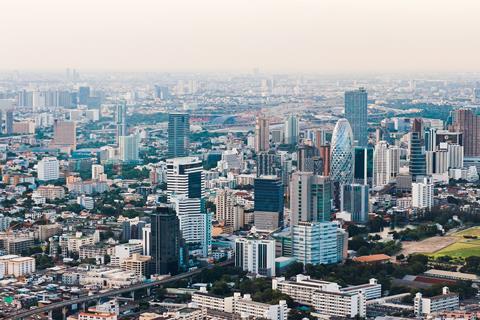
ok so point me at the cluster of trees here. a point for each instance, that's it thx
(364, 247)
(472, 265)
(419, 233)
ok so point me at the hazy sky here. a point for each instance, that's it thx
(230, 35)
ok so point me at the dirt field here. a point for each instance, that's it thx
(429, 245)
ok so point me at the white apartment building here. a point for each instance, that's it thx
(109, 278)
(16, 266)
(446, 301)
(48, 169)
(244, 306)
(255, 256)
(422, 194)
(97, 171)
(125, 251)
(328, 298)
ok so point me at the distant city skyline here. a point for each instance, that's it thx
(329, 36)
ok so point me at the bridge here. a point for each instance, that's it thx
(63, 305)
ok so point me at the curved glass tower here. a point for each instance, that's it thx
(341, 165)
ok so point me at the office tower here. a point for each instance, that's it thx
(121, 121)
(277, 136)
(431, 139)
(292, 130)
(165, 241)
(186, 191)
(381, 165)
(325, 156)
(315, 242)
(319, 138)
(422, 194)
(178, 134)
(64, 135)
(467, 122)
(310, 198)
(357, 115)
(417, 150)
(146, 238)
(83, 95)
(441, 161)
(262, 134)
(354, 200)
(9, 122)
(363, 165)
(48, 169)
(268, 164)
(256, 256)
(394, 161)
(445, 136)
(126, 230)
(97, 171)
(268, 203)
(128, 147)
(341, 155)
(305, 156)
(162, 93)
(455, 156)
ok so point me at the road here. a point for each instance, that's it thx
(58, 305)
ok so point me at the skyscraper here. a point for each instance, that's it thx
(268, 202)
(417, 150)
(268, 164)
(381, 174)
(121, 121)
(422, 194)
(83, 95)
(305, 158)
(466, 121)
(363, 165)
(64, 135)
(341, 164)
(356, 103)
(165, 241)
(292, 130)
(325, 156)
(186, 191)
(129, 148)
(262, 134)
(178, 134)
(354, 200)
(9, 122)
(48, 169)
(310, 198)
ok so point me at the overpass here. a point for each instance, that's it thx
(63, 305)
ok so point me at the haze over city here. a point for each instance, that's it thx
(329, 36)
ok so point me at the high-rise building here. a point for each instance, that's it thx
(417, 150)
(48, 169)
(381, 165)
(341, 164)
(354, 200)
(363, 165)
(455, 156)
(121, 121)
(255, 256)
(268, 164)
(186, 190)
(178, 134)
(262, 134)
(315, 242)
(165, 241)
(325, 156)
(9, 122)
(64, 135)
(394, 161)
(292, 130)
(83, 95)
(268, 202)
(97, 171)
(227, 212)
(310, 198)
(466, 121)
(305, 158)
(128, 146)
(422, 194)
(356, 113)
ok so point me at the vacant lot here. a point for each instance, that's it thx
(427, 246)
(463, 247)
(475, 231)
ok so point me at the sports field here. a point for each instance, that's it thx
(463, 247)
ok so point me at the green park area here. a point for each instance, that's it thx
(467, 245)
